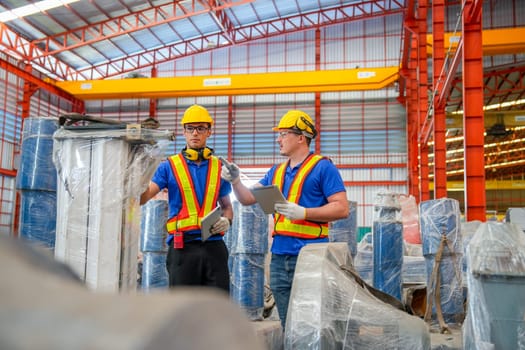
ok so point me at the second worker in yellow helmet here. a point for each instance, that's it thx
(315, 195)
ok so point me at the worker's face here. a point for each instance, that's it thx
(196, 134)
(288, 141)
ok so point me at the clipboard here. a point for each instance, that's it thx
(267, 196)
(208, 221)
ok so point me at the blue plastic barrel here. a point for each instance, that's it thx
(38, 217)
(153, 226)
(247, 280)
(37, 170)
(388, 257)
(154, 271)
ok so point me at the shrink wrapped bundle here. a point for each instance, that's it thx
(440, 219)
(345, 230)
(247, 280)
(154, 272)
(388, 257)
(249, 233)
(153, 226)
(153, 244)
(103, 170)
(37, 180)
(37, 171)
(247, 242)
(38, 217)
(388, 244)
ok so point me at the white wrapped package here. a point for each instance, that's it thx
(329, 309)
(101, 174)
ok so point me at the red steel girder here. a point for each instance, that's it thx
(494, 91)
(128, 23)
(30, 78)
(351, 12)
(21, 49)
(221, 18)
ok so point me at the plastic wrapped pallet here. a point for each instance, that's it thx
(37, 171)
(364, 259)
(37, 180)
(329, 309)
(345, 230)
(102, 172)
(388, 244)
(440, 219)
(247, 242)
(153, 244)
(496, 288)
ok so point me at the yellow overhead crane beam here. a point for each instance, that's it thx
(489, 185)
(235, 84)
(509, 118)
(494, 41)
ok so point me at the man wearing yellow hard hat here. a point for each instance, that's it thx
(315, 195)
(195, 187)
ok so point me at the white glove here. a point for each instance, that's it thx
(291, 210)
(230, 171)
(222, 225)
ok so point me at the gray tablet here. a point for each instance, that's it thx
(208, 221)
(267, 196)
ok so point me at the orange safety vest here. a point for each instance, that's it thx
(191, 213)
(298, 228)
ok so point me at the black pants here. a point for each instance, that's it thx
(198, 263)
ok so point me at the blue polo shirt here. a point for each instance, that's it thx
(164, 178)
(323, 181)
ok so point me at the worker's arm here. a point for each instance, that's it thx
(243, 193)
(336, 208)
(150, 192)
(231, 173)
(226, 206)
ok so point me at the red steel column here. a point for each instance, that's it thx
(153, 101)
(412, 122)
(438, 57)
(317, 144)
(473, 118)
(422, 94)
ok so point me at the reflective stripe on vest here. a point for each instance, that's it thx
(298, 228)
(191, 213)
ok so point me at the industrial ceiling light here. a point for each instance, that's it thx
(31, 9)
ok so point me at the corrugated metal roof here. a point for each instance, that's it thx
(87, 34)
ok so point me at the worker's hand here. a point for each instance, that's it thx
(222, 225)
(230, 171)
(291, 210)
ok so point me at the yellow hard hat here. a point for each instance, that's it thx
(299, 120)
(196, 114)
